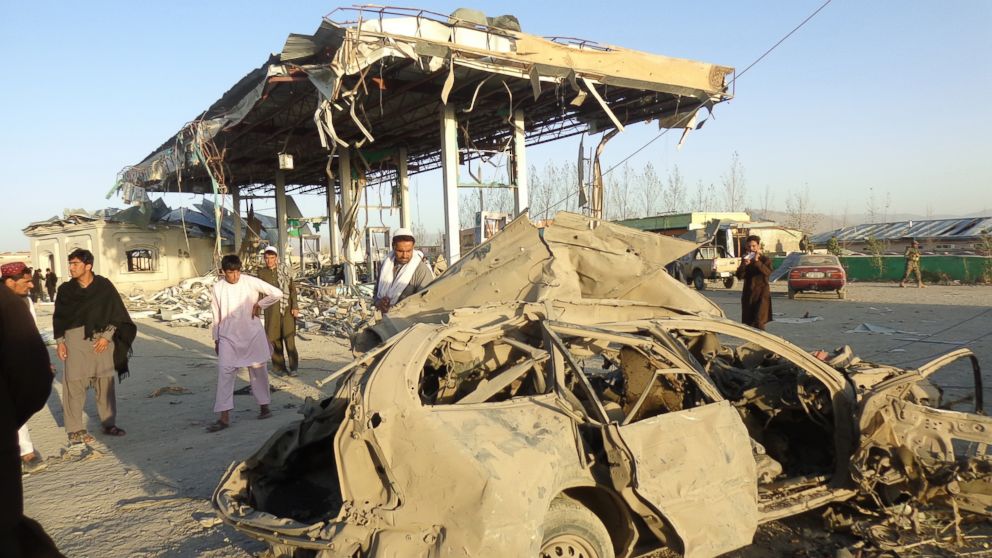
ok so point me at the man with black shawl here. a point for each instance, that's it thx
(94, 334)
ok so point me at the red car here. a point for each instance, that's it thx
(816, 272)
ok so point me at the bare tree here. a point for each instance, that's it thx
(541, 193)
(871, 206)
(766, 201)
(705, 197)
(799, 211)
(651, 190)
(675, 191)
(619, 194)
(734, 184)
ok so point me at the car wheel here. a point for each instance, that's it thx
(571, 529)
(841, 294)
(792, 293)
(698, 280)
(728, 282)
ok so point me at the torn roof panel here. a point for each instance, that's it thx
(322, 92)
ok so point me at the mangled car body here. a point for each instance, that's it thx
(535, 425)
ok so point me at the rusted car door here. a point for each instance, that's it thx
(693, 467)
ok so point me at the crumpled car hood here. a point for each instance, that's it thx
(573, 259)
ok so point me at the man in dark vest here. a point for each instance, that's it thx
(280, 319)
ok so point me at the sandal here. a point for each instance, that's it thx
(262, 415)
(217, 426)
(113, 431)
(81, 437)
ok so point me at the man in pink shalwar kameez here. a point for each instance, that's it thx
(239, 337)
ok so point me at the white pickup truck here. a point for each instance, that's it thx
(709, 263)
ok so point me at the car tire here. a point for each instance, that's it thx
(698, 280)
(841, 294)
(728, 282)
(571, 529)
(792, 293)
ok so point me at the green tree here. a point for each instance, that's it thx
(833, 246)
(875, 250)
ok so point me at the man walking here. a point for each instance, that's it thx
(51, 281)
(94, 334)
(913, 265)
(17, 278)
(239, 338)
(280, 319)
(403, 272)
(25, 382)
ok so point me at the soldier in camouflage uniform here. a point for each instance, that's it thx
(913, 265)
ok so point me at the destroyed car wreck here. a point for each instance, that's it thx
(593, 406)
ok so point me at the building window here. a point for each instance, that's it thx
(141, 259)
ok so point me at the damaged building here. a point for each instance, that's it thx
(377, 94)
(145, 247)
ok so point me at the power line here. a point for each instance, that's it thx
(686, 117)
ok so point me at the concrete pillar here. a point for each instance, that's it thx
(449, 166)
(281, 216)
(334, 234)
(403, 182)
(520, 192)
(236, 208)
(347, 201)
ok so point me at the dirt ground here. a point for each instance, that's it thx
(147, 494)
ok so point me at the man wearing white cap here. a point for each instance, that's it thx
(402, 273)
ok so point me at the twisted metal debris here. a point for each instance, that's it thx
(337, 310)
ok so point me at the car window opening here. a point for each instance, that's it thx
(787, 412)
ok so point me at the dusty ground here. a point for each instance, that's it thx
(143, 495)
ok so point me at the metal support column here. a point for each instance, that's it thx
(449, 165)
(236, 208)
(281, 216)
(520, 192)
(403, 182)
(333, 233)
(347, 202)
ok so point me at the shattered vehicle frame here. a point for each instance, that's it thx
(541, 424)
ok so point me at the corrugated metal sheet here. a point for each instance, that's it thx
(938, 229)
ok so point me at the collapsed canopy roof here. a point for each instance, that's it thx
(379, 84)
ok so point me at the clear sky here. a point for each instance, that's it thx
(875, 94)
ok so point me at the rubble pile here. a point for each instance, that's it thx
(186, 304)
(337, 310)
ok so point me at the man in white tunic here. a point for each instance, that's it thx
(239, 338)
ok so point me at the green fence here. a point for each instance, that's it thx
(967, 269)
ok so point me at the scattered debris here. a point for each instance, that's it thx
(335, 309)
(803, 320)
(169, 390)
(206, 520)
(884, 330)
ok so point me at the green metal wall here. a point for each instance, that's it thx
(967, 269)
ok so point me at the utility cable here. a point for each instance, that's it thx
(734, 80)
